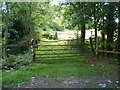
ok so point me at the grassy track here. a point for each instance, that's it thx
(70, 67)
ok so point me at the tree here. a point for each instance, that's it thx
(6, 30)
(118, 39)
(77, 15)
(110, 24)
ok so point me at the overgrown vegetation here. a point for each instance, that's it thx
(16, 61)
(102, 16)
(25, 21)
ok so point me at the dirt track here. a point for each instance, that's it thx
(93, 81)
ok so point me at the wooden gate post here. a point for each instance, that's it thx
(97, 46)
(33, 49)
(33, 52)
(91, 44)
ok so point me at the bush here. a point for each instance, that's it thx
(55, 36)
(49, 34)
(16, 61)
(11, 59)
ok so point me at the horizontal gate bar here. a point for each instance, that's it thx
(16, 45)
(60, 49)
(57, 49)
(58, 59)
(57, 45)
(62, 45)
(64, 56)
(59, 40)
(56, 53)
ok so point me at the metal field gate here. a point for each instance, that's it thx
(60, 50)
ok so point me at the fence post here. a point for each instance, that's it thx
(33, 49)
(33, 52)
(97, 47)
(91, 44)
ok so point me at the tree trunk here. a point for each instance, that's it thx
(95, 24)
(110, 26)
(6, 31)
(118, 39)
(30, 13)
(6, 23)
(103, 40)
(77, 34)
(103, 35)
(83, 32)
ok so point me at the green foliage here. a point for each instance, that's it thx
(56, 36)
(50, 34)
(57, 27)
(16, 61)
(11, 59)
(76, 13)
(25, 18)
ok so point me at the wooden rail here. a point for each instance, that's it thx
(105, 51)
(56, 59)
(56, 49)
(55, 45)
(108, 51)
(64, 56)
(62, 45)
(97, 48)
(56, 53)
(16, 45)
(59, 40)
(105, 43)
(22, 45)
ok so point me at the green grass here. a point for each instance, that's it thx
(58, 69)
(59, 51)
(70, 67)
